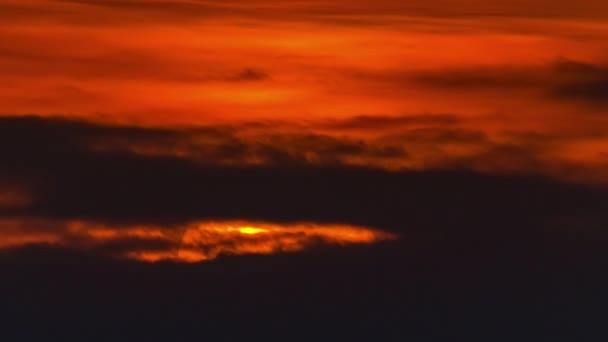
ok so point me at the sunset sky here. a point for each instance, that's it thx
(178, 132)
(484, 85)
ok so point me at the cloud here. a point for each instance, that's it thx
(441, 8)
(31, 145)
(64, 140)
(474, 78)
(438, 136)
(192, 242)
(582, 82)
(592, 91)
(250, 75)
(70, 180)
(381, 122)
(563, 79)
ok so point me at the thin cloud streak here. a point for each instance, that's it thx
(192, 242)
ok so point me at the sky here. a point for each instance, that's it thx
(482, 85)
(230, 138)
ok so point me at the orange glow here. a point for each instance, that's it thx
(190, 243)
(495, 66)
(210, 239)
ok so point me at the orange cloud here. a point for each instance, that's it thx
(193, 242)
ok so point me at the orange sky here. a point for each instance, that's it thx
(519, 86)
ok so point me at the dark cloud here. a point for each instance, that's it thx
(502, 158)
(322, 149)
(592, 91)
(122, 247)
(475, 78)
(577, 68)
(41, 140)
(442, 136)
(460, 79)
(68, 179)
(582, 81)
(376, 122)
(477, 249)
(563, 79)
(250, 75)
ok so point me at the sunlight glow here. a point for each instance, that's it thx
(208, 240)
(195, 242)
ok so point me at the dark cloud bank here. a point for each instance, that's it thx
(561, 80)
(70, 175)
(487, 256)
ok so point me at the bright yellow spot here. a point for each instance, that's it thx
(190, 243)
(208, 240)
(252, 230)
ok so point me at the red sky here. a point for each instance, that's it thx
(524, 81)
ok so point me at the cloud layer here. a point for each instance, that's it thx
(168, 112)
(137, 175)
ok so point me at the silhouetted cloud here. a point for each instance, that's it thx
(70, 180)
(563, 79)
(378, 122)
(581, 81)
(109, 202)
(438, 136)
(64, 140)
(593, 91)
